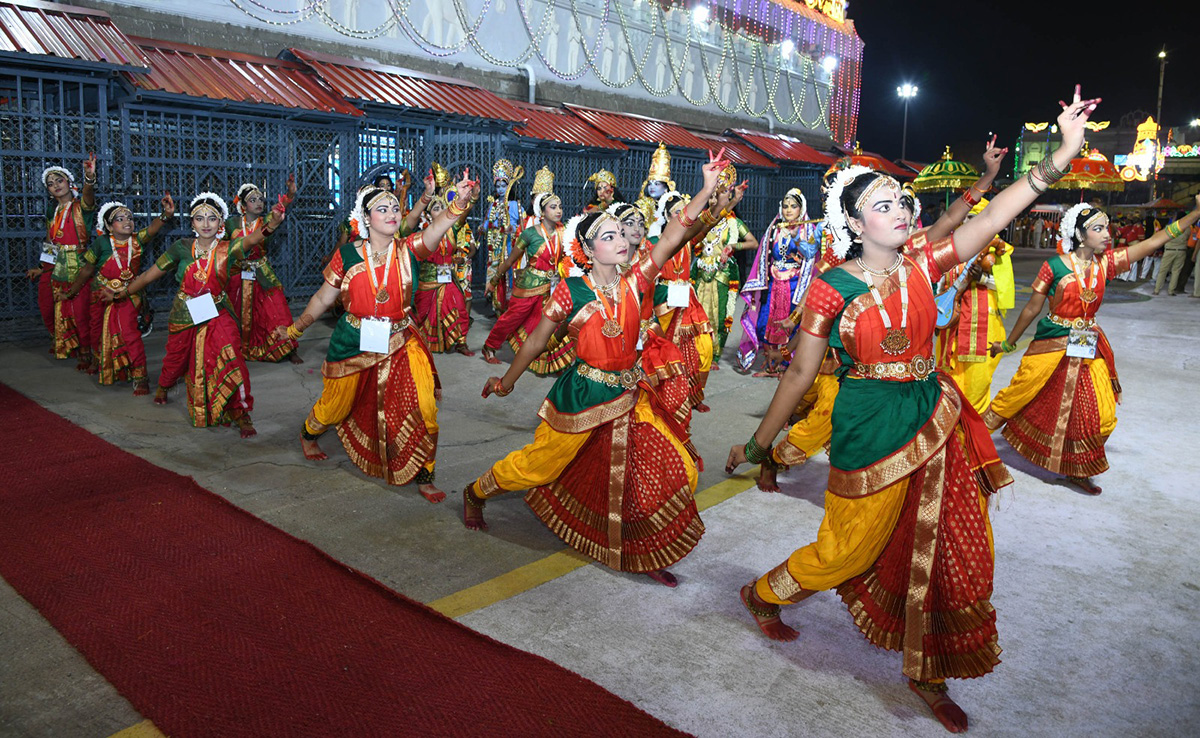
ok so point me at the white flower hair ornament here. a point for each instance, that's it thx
(1070, 222)
(214, 201)
(660, 213)
(541, 200)
(835, 214)
(102, 215)
(364, 201)
(64, 172)
(239, 201)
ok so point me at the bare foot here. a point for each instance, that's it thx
(714, 367)
(431, 493)
(489, 355)
(462, 349)
(767, 373)
(662, 576)
(766, 616)
(93, 367)
(946, 710)
(702, 408)
(141, 387)
(767, 478)
(294, 357)
(246, 427)
(160, 396)
(473, 510)
(312, 450)
(1086, 484)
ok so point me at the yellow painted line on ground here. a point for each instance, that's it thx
(537, 573)
(144, 729)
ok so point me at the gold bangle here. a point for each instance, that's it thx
(708, 219)
(293, 332)
(456, 211)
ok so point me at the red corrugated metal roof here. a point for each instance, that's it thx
(737, 151)
(877, 162)
(783, 148)
(227, 75)
(48, 29)
(638, 128)
(406, 88)
(556, 124)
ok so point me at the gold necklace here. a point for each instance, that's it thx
(896, 340)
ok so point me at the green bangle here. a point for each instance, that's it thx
(1173, 230)
(1008, 347)
(756, 454)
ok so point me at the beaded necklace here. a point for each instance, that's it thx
(1087, 289)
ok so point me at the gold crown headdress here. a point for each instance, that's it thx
(543, 181)
(503, 168)
(441, 177)
(603, 176)
(660, 167)
(727, 178)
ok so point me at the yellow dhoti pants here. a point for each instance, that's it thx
(810, 435)
(1033, 374)
(544, 460)
(975, 377)
(338, 395)
(703, 341)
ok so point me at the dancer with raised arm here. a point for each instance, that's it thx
(255, 292)
(906, 539)
(69, 223)
(609, 470)
(204, 344)
(114, 257)
(1061, 405)
(380, 385)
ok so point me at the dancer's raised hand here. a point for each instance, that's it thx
(993, 155)
(1073, 118)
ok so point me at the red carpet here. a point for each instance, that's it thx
(214, 623)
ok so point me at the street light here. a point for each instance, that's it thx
(908, 92)
(1162, 70)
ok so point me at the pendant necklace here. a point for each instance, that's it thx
(1087, 292)
(611, 328)
(896, 340)
(379, 288)
(126, 273)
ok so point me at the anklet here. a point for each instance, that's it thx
(472, 499)
(772, 611)
(931, 687)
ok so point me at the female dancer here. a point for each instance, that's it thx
(814, 427)
(608, 470)
(782, 270)
(380, 384)
(715, 275)
(114, 257)
(255, 293)
(542, 248)
(442, 308)
(1060, 407)
(906, 539)
(204, 342)
(68, 230)
(679, 314)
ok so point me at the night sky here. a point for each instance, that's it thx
(992, 66)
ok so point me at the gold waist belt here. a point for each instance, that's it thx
(1076, 323)
(397, 325)
(627, 378)
(543, 273)
(919, 367)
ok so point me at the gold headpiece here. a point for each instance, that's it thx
(441, 177)
(603, 176)
(660, 167)
(506, 169)
(727, 178)
(543, 181)
(882, 180)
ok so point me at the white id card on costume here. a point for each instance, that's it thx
(48, 258)
(202, 308)
(1081, 343)
(678, 294)
(444, 275)
(375, 335)
(248, 275)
